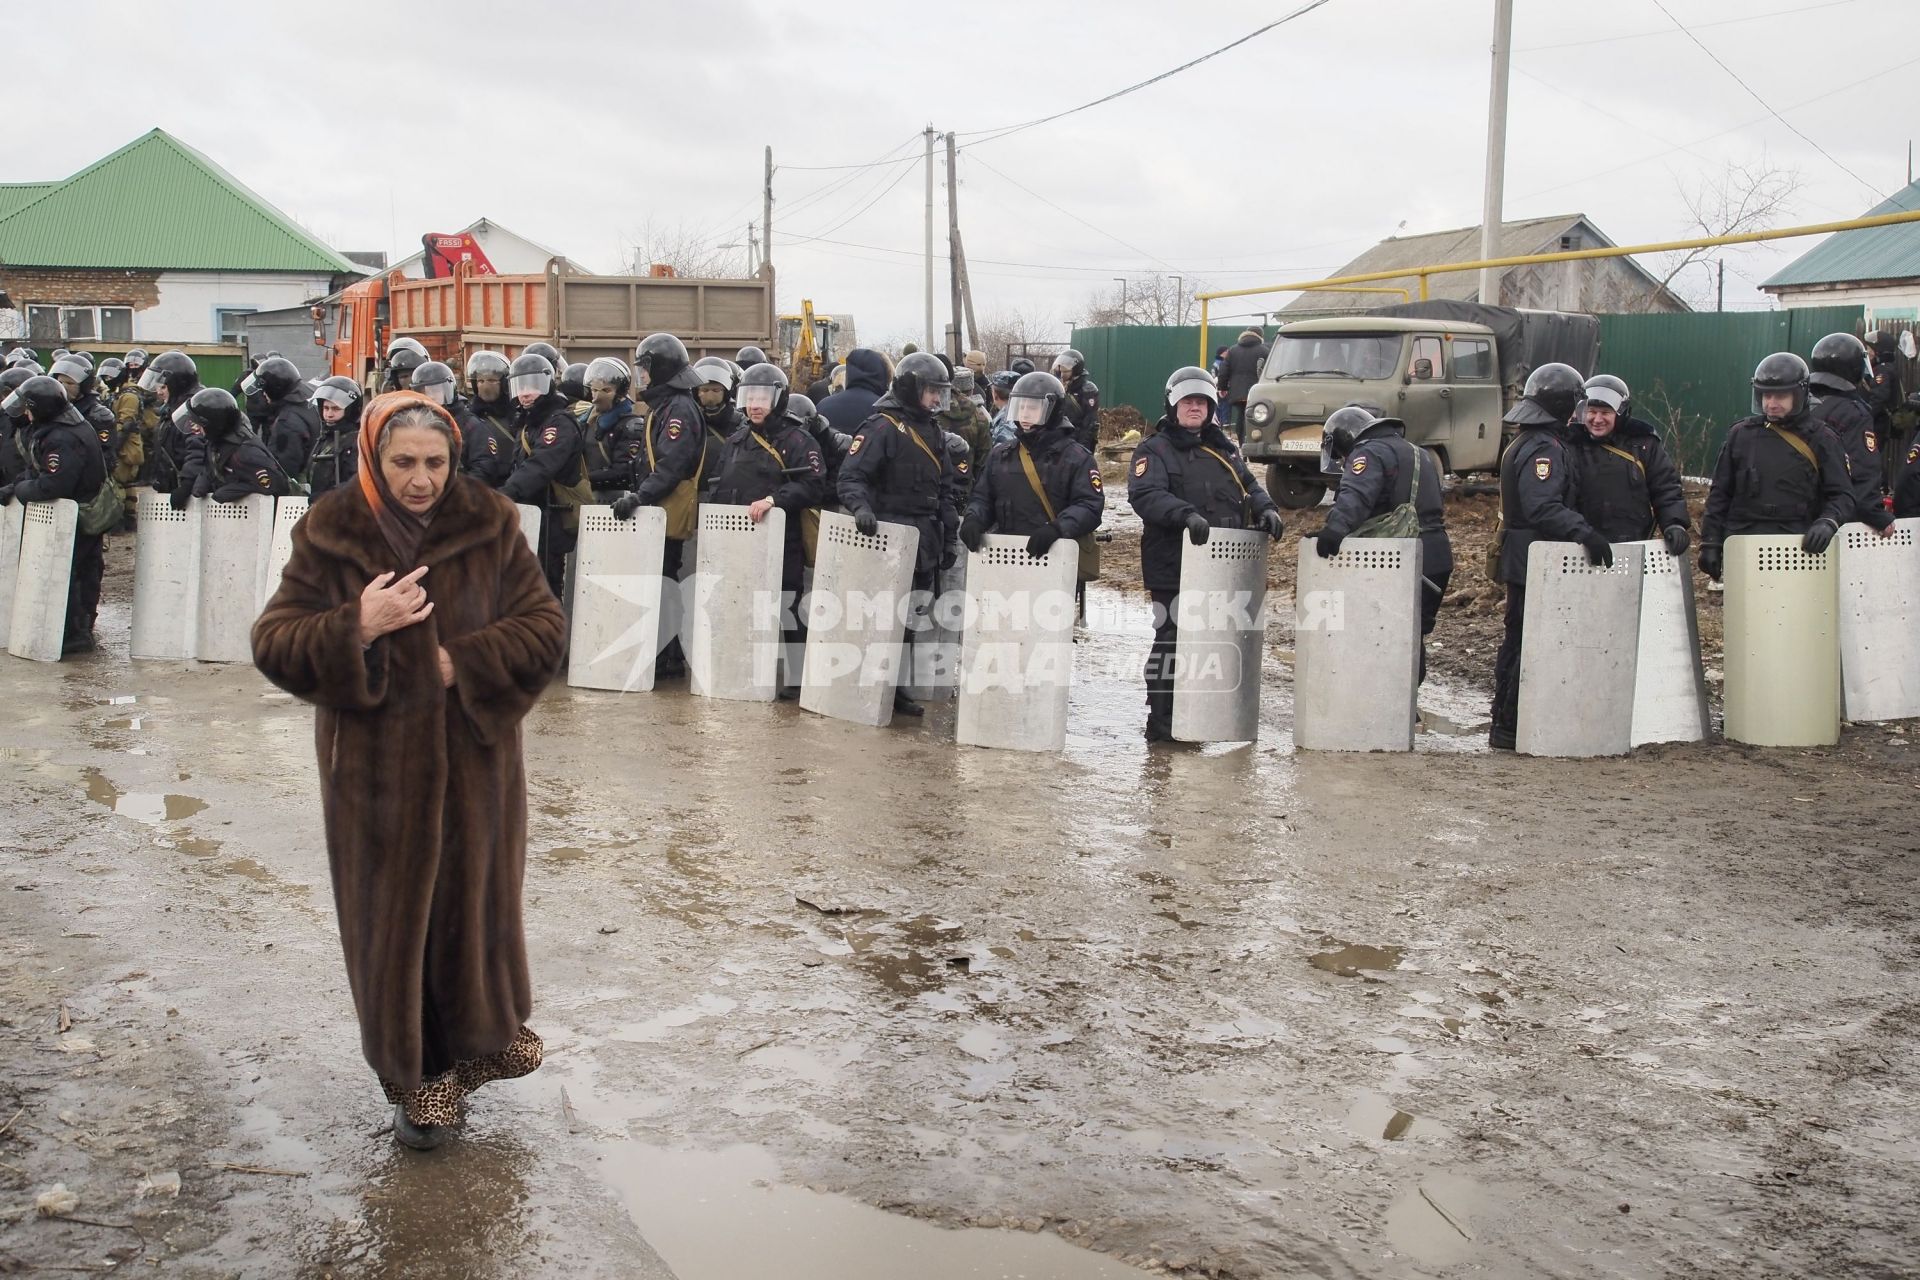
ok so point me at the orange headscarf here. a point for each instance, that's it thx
(401, 528)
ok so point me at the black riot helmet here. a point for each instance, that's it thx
(1190, 380)
(276, 377)
(547, 349)
(345, 393)
(610, 372)
(764, 385)
(1839, 362)
(1606, 381)
(749, 356)
(21, 355)
(1069, 365)
(917, 373)
(661, 361)
(9, 383)
(1344, 428)
(530, 371)
(434, 380)
(801, 408)
(112, 372)
(714, 390)
(402, 361)
(1034, 401)
(174, 370)
(136, 360)
(75, 371)
(41, 398)
(1552, 393)
(487, 364)
(573, 382)
(1781, 371)
(413, 346)
(216, 412)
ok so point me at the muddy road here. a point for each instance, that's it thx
(827, 1001)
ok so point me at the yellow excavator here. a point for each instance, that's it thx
(812, 343)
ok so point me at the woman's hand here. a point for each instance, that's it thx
(387, 606)
(446, 670)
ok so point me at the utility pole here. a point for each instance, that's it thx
(1496, 150)
(966, 285)
(1720, 294)
(953, 250)
(1179, 303)
(753, 242)
(766, 248)
(929, 249)
(1123, 298)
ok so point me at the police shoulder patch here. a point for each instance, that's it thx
(1358, 466)
(493, 446)
(1913, 454)
(673, 429)
(1542, 468)
(53, 462)
(1093, 474)
(857, 442)
(265, 479)
(550, 435)
(961, 467)
(1873, 443)
(1139, 466)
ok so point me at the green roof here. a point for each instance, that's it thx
(1874, 253)
(156, 204)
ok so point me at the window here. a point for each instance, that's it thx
(1333, 355)
(231, 324)
(1472, 359)
(43, 324)
(344, 333)
(53, 324)
(116, 324)
(77, 322)
(1426, 347)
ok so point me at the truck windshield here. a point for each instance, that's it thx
(1348, 355)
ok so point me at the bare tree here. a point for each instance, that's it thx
(1010, 331)
(685, 249)
(1146, 299)
(1742, 197)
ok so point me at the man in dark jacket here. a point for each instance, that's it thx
(1186, 479)
(1043, 486)
(76, 378)
(336, 454)
(671, 463)
(173, 379)
(1834, 399)
(1083, 398)
(1629, 487)
(1241, 366)
(64, 461)
(1539, 501)
(226, 461)
(898, 470)
(287, 420)
(551, 470)
(849, 408)
(1780, 471)
(1380, 472)
(488, 450)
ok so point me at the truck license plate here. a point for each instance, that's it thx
(1299, 446)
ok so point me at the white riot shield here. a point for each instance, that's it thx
(13, 519)
(1669, 686)
(616, 635)
(39, 620)
(1356, 638)
(1582, 642)
(1221, 612)
(286, 514)
(856, 619)
(734, 609)
(236, 541)
(1879, 596)
(936, 652)
(1782, 643)
(166, 577)
(1016, 660)
(530, 518)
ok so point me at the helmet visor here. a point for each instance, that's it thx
(942, 393)
(251, 384)
(150, 380)
(1606, 396)
(758, 397)
(1193, 387)
(1028, 411)
(438, 392)
(333, 395)
(180, 415)
(538, 383)
(14, 405)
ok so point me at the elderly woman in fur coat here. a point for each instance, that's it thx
(415, 619)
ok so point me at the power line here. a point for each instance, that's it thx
(1007, 130)
(1044, 266)
(1658, 4)
(904, 171)
(1698, 26)
(1069, 213)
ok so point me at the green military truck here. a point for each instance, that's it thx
(1449, 370)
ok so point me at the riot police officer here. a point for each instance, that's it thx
(488, 449)
(172, 378)
(552, 469)
(286, 420)
(897, 469)
(336, 454)
(1780, 470)
(749, 356)
(833, 444)
(14, 426)
(1539, 500)
(1629, 487)
(1389, 487)
(129, 453)
(1906, 489)
(547, 349)
(668, 469)
(1083, 398)
(963, 418)
(715, 394)
(404, 355)
(76, 378)
(226, 461)
(774, 462)
(435, 381)
(616, 433)
(1187, 478)
(64, 461)
(1838, 367)
(1043, 486)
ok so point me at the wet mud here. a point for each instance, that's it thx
(822, 1000)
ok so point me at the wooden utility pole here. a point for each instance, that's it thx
(930, 343)
(966, 287)
(766, 251)
(1492, 212)
(953, 250)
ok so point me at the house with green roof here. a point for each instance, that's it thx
(1876, 267)
(154, 244)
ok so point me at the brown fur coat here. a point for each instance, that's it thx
(422, 786)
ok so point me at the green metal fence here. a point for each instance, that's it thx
(1689, 372)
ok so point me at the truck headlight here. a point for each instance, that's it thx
(1260, 414)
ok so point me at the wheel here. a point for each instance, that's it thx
(1293, 488)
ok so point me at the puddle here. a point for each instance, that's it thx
(1434, 1221)
(721, 1215)
(662, 1025)
(1374, 1117)
(565, 854)
(144, 806)
(1350, 959)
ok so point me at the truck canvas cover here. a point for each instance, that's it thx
(1526, 339)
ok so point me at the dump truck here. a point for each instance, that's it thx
(1449, 370)
(586, 316)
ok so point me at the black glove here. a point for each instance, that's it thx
(203, 487)
(161, 484)
(178, 499)
(1328, 544)
(1816, 539)
(1711, 562)
(625, 505)
(1675, 536)
(866, 522)
(972, 533)
(6, 494)
(949, 558)
(1876, 516)
(1042, 540)
(1599, 550)
(1198, 529)
(1272, 523)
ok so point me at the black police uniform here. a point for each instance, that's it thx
(336, 458)
(13, 448)
(1848, 415)
(1378, 477)
(1763, 483)
(64, 461)
(898, 468)
(1539, 502)
(619, 440)
(101, 419)
(1176, 474)
(1083, 412)
(833, 449)
(1906, 488)
(675, 434)
(552, 456)
(1629, 487)
(292, 426)
(488, 450)
(780, 460)
(167, 464)
(1003, 498)
(233, 468)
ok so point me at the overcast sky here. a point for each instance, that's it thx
(578, 124)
